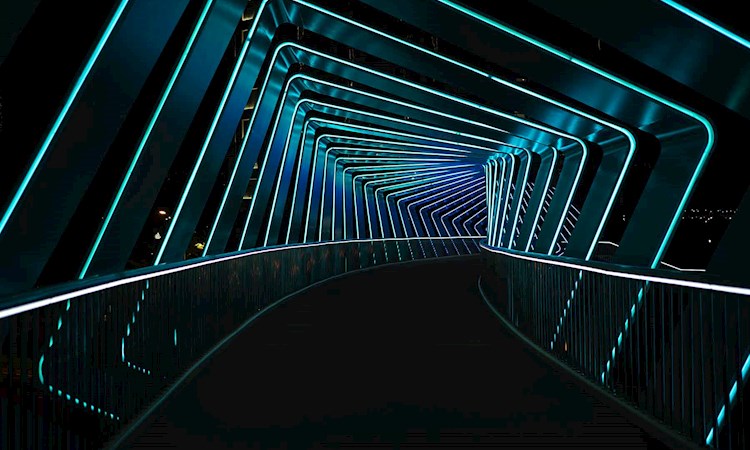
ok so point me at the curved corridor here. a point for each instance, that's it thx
(401, 356)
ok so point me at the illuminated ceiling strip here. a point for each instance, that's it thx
(628, 135)
(388, 177)
(433, 92)
(367, 159)
(451, 175)
(63, 113)
(506, 204)
(512, 234)
(706, 124)
(288, 139)
(440, 191)
(364, 195)
(145, 137)
(454, 177)
(441, 196)
(541, 203)
(477, 195)
(314, 162)
(710, 24)
(496, 187)
(353, 187)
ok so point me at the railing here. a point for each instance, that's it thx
(80, 362)
(673, 345)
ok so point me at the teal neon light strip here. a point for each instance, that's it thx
(452, 178)
(212, 128)
(387, 202)
(446, 194)
(324, 104)
(475, 194)
(389, 175)
(506, 203)
(414, 86)
(146, 136)
(60, 393)
(455, 183)
(629, 136)
(449, 179)
(354, 180)
(63, 113)
(704, 21)
(398, 102)
(541, 203)
(511, 235)
(631, 86)
(315, 154)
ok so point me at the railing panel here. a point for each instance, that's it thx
(80, 362)
(673, 346)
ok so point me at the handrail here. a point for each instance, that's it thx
(673, 345)
(85, 358)
(695, 280)
(41, 297)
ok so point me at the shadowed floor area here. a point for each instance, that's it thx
(400, 356)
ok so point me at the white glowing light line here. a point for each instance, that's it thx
(30, 306)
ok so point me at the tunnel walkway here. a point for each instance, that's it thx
(399, 356)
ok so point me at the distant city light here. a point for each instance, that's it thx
(157, 236)
(162, 212)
